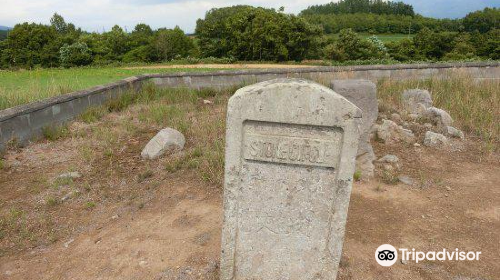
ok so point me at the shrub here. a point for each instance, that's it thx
(77, 54)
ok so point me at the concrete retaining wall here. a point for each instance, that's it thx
(26, 122)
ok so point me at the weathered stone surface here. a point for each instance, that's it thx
(290, 152)
(363, 94)
(389, 132)
(70, 175)
(433, 139)
(395, 117)
(389, 159)
(439, 117)
(364, 163)
(406, 180)
(168, 140)
(416, 101)
(453, 132)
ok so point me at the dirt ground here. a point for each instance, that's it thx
(127, 218)
(223, 66)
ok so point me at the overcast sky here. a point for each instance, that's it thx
(96, 15)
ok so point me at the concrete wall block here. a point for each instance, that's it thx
(16, 128)
(79, 106)
(41, 118)
(97, 99)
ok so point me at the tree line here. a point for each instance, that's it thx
(378, 7)
(248, 33)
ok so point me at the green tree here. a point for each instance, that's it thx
(403, 50)
(59, 24)
(172, 44)
(77, 54)
(248, 33)
(350, 46)
(116, 43)
(141, 35)
(31, 44)
(482, 21)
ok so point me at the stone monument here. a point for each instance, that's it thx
(362, 93)
(290, 153)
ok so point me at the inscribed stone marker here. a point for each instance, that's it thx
(290, 153)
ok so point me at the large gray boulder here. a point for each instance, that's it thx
(416, 101)
(439, 117)
(363, 94)
(390, 132)
(168, 140)
(435, 140)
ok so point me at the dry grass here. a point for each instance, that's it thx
(153, 109)
(473, 104)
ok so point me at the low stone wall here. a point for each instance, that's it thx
(26, 122)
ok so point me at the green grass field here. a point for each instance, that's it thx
(21, 87)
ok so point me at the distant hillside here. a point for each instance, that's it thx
(3, 34)
(5, 27)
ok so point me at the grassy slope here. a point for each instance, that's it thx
(20, 87)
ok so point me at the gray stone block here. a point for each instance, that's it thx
(363, 94)
(17, 128)
(290, 152)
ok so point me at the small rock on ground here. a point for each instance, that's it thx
(389, 159)
(406, 180)
(168, 140)
(453, 132)
(439, 117)
(390, 132)
(70, 175)
(435, 140)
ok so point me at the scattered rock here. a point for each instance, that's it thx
(168, 140)
(388, 167)
(435, 140)
(66, 197)
(395, 117)
(404, 261)
(406, 180)
(364, 163)
(416, 101)
(448, 188)
(439, 117)
(66, 244)
(389, 132)
(70, 175)
(428, 125)
(416, 145)
(413, 117)
(207, 102)
(389, 159)
(453, 132)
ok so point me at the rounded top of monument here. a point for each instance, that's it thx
(305, 89)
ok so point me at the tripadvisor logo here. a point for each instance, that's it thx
(387, 255)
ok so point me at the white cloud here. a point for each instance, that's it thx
(96, 15)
